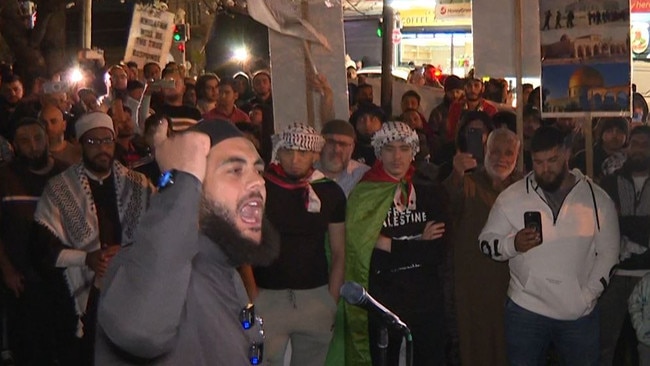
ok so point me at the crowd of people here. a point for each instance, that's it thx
(162, 219)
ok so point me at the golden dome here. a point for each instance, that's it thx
(586, 76)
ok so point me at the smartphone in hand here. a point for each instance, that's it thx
(474, 139)
(533, 220)
(158, 85)
(50, 87)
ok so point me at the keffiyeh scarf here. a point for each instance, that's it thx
(395, 131)
(404, 197)
(297, 136)
(276, 174)
(67, 209)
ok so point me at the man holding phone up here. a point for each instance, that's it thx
(555, 281)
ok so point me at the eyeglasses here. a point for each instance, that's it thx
(341, 144)
(96, 142)
(247, 318)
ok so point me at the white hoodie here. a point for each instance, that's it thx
(563, 277)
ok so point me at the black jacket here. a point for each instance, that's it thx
(172, 297)
(633, 214)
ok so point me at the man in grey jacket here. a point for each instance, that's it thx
(174, 296)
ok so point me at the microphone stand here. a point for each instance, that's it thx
(409, 347)
(382, 344)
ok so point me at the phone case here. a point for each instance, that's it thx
(533, 219)
(475, 144)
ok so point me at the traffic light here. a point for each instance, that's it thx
(181, 47)
(180, 33)
(437, 72)
(380, 27)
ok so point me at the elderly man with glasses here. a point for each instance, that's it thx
(336, 157)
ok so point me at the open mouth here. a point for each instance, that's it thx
(251, 211)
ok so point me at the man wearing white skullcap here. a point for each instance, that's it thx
(395, 232)
(86, 214)
(298, 292)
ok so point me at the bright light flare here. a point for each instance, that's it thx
(240, 54)
(75, 75)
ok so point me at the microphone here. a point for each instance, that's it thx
(356, 295)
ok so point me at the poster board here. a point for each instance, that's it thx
(292, 97)
(586, 63)
(150, 36)
(493, 30)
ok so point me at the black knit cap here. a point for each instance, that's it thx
(453, 82)
(217, 129)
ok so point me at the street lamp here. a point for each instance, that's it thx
(75, 75)
(240, 54)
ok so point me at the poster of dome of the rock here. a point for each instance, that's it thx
(585, 50)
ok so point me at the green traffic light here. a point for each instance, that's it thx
(379, 32)
(177, 37)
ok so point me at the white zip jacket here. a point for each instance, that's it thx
(563, 277)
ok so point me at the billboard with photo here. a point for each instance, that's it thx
(585, 52)
(640, 36)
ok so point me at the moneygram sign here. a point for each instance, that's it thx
(448, 11)
(442, 15)
(640, 6)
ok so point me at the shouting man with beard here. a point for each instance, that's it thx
(86, 214)
(559, 261)
(629, 187)
(173, 296)
(28, 306)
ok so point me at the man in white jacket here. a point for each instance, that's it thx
(558, 272)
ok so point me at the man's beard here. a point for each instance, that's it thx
(35, 163)
(217, 223)
(333, 164)
(95, 167)
(472, 97)
(553, 185)
(494, 173)
(637, 163)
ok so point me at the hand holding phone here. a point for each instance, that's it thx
(463, 162)
(160, 84)
(474, 138)
(531, 235)
(533, 220)
(51, 87)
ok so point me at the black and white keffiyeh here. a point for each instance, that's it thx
(68, 210)
(395, 131)
(297, 136)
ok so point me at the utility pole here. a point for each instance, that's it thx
(87, 24)
(387, 58)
